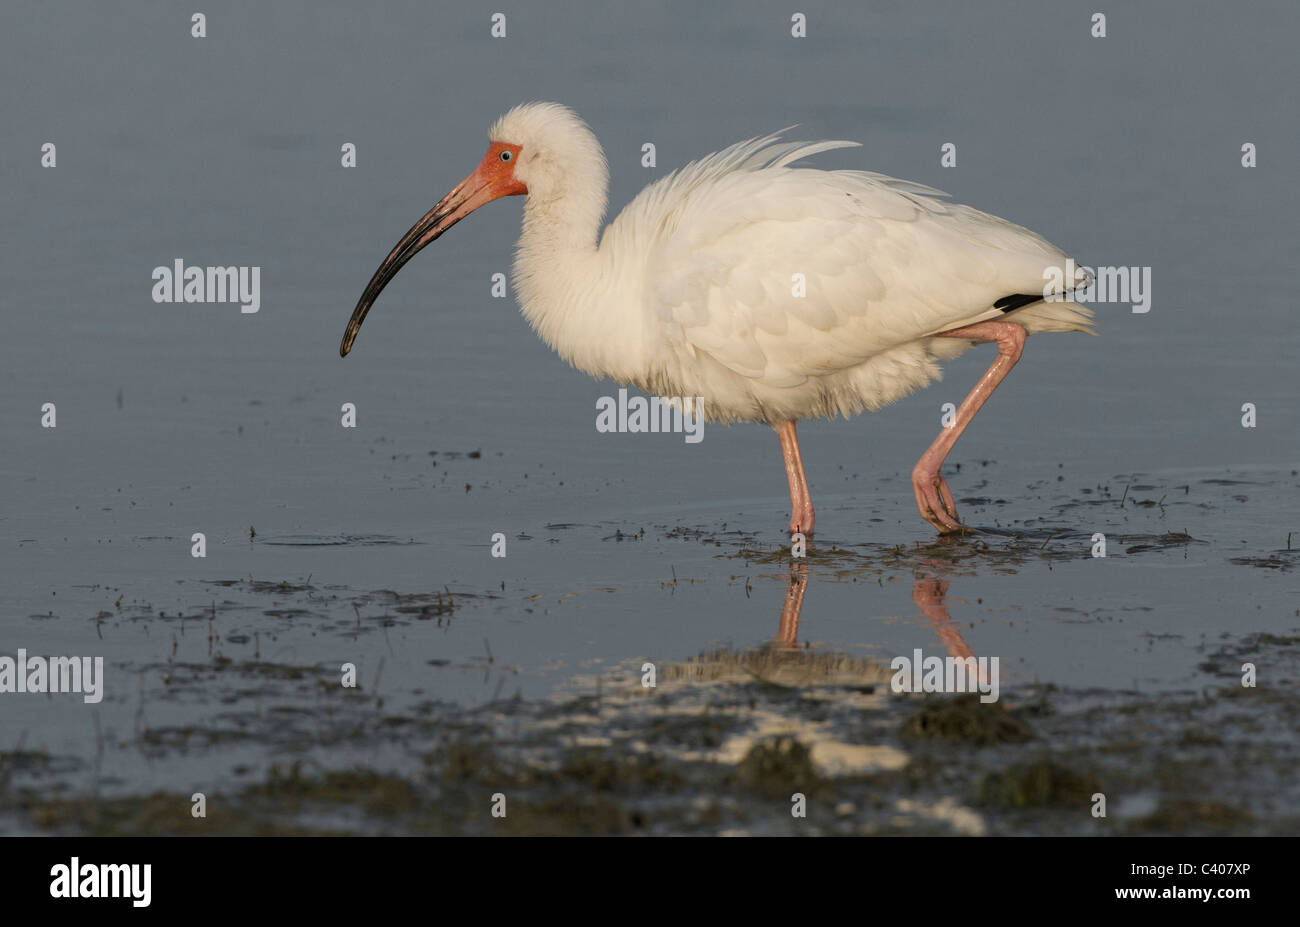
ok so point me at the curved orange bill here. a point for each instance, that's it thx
(490, 181)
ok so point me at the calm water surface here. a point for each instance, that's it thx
(175, 419)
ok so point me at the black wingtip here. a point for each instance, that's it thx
(1016, 301)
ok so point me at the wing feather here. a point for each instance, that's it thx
(731, 239)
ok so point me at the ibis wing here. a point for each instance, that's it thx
(782, 274)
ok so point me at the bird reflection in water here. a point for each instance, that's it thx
(928, 592)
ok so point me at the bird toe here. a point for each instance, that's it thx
(935, 502)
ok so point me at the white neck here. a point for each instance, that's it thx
(569, 286)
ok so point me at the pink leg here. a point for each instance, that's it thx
(801, 507)
(933, 497)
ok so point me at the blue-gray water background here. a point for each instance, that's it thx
(226, 150)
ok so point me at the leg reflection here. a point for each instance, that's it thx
(788, 633)
(928, 594)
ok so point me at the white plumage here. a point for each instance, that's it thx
(774, 292)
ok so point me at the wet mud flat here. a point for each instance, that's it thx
(732, 738)
(725, 744)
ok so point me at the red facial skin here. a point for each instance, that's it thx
(500, 175)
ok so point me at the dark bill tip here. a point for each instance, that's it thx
(436, 221)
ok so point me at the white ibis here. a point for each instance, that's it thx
(775, 293)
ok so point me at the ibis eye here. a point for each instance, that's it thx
(506, 155)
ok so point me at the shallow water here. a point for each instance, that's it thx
(372, 545)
